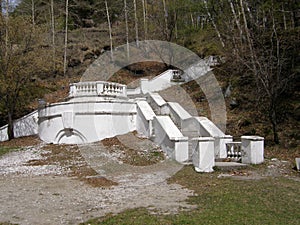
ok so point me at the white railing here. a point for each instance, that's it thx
(98, 88)
(234, 150)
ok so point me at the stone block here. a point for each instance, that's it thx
(204, 157)
(252, 149)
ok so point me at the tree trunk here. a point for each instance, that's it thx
(6, 27)
(192, 21)
(32, 12)
(10, 127)
(136, 24)
(175, 28)
(145, 16)
(127, 30)
(284, 18)
(53, 34)
(236, 20)
(273, 120)
(66, 37)
(110, 32)
(166, 19)
(214, 24)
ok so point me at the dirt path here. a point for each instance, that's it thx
(45, 193)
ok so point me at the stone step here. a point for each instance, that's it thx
(229, 165)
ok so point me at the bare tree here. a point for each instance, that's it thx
(144, 3)
(214, 24)
(136, 23)
(53, 33)
(66, 36)
(109, 30)
(166, 19)
(6, 26)
(32, 12)
(126, 27)
(258, 43)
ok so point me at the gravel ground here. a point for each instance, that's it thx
(46, 193)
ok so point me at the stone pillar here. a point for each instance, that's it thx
(72, 91)
(252, 149)
(203, 156)
(144, 85)
(220, 146)
(99, 87)
(181, 149)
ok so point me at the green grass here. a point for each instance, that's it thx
(4, 150)
(224, 201)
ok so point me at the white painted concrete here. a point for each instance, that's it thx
(220, 146)
(178, 114)
(25, 126)
(98, 110)
(209, 127)
(197, 70)
(86, 122)
(3, 133)
(158, 83)
(97, 88)
(253, 149)
(158, 104)
(170, 138)
(134, 91)
(203, 156)
(144, 119)
(203, 127)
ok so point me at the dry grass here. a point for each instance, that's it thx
(132, 74)
(21, 142)
(69, 157)
(134, 157)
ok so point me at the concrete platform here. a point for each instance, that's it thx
(229, 165)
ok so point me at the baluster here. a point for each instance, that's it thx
(232, 151)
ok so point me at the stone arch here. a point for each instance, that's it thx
(63, 135)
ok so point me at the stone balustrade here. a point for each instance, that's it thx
(98, 88)
(249, 151)
(234, 150)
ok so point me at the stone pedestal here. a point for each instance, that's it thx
(220, 146)
(144, 85)
(204, 157)
(252, 149)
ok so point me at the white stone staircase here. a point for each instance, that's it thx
(189, 139)
(184, 138)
